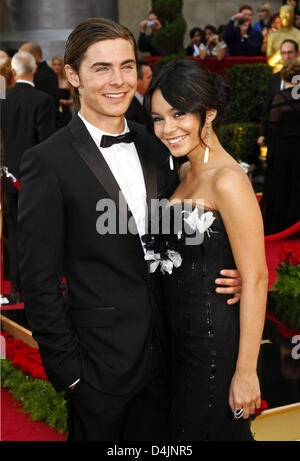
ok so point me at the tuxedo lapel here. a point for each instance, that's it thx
(148, 167)
(89, 152)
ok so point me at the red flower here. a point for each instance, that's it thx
(24, 357)
(289, 253)
(263, 406)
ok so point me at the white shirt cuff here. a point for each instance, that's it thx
(75, 382)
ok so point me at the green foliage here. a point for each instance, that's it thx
(248, 87)
(287, 308)
(239, 139)
(166, 10)
(38, 396)
(287, 286)
(169, 39)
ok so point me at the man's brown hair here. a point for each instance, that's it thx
(87, 33)
(290, 69)
(245, 7)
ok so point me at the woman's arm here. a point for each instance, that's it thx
(202, 52)
(241, 215)
(220, 51)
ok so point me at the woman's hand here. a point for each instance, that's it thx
(244, 392)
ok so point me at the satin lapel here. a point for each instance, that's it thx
(148, 167)
(88, 151)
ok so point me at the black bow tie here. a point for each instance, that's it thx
(107, 141)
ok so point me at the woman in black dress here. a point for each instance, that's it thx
(215, 346)
(280, 203)
(65, 97)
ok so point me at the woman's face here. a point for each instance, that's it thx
(197, 38)
(57, 66)
(178, 130)
(208, 34)
(262, 15)
(276, 24)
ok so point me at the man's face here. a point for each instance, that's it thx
(288, 52)
(144, 82)
(248, 15)
(107, 79)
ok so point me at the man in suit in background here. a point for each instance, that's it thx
(103, 343)
(135, 111)
(27, 118)
(45, 79)
(289, 50)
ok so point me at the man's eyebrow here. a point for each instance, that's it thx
(109, 64)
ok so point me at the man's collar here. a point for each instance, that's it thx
(25, 81)
(139, 97)
(97, 133)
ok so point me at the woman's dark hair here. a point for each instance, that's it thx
(212, 28)
(194, 30)
(187, 86)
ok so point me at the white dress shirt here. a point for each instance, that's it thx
(124, 163)
(139, 97)
(25, 81)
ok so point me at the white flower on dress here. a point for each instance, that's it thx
(166, 265)
(202, 224)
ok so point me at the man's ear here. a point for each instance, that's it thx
(72, 76)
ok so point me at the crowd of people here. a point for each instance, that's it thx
(141, 355)
(239, 37)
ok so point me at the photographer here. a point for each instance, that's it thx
(213, 45)
(242, 39)
(196, 36)
(144, 42)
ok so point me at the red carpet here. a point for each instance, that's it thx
(18, 426)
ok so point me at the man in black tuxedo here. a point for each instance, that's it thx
(289, 50)
(105, 342)
(45, 79)
(135, 112)
(27, 118)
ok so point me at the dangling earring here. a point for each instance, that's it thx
(206, 153)
(171, 162)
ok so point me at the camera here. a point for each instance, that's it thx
(150, 23)
(241, 22)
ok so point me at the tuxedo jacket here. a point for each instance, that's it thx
(27, 118)
(102, 328)
(135, 112)
(273, 88)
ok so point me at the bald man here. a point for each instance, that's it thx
(45, 78)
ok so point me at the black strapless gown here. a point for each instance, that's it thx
(204, 342)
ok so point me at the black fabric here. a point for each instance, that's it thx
(45, 79)
(205, 339)
(27, 118)
(135, 112)
(280, 203)
(64, 115)
(107, 141)
(58, 237)
(140, 415)
(273, 89)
